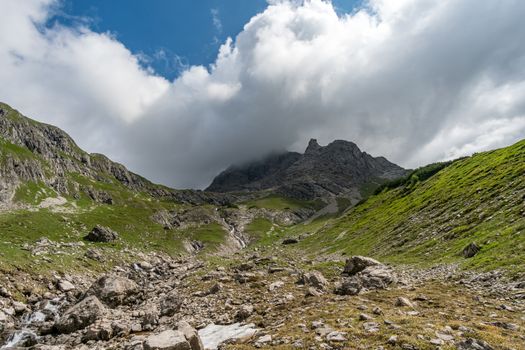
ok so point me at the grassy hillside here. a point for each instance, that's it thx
(477, 199)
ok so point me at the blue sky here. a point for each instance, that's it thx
(170, 33)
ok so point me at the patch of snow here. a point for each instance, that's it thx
(213, 335)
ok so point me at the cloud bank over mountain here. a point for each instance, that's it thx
(414, 80)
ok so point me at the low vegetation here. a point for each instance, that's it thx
(477, 199)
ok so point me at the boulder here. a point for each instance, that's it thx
(471, 250)
(402, 301)
(349, 286)
(65, 286)
(191, 335)
(290, 241)
(170, 304)
(80, 315)
(474, 344)
(358, 263)
(372, 277)
(113, 290)
(102, 234)
(103, 331)
(314, 279)
(167, 340)
(376, 277)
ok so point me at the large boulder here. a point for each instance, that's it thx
(114, 290)
(191, 335)
(362, 273)
(376, 277)
(80, 315)
(471, 250)
(102, 234)
(167, 340)
(358, 263)
(314, 279)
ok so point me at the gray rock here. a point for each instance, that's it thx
(65, 286)
(113, 290)
(402, 301)
(371, 327)
(376, 277)
(191, 335)
(336, 336)
(314, 279)
(103, 331)
(167, 340)
(358, 263)
(170, 304)
(471, 250)
(474, 344)
(81, 315)
(349, 286)
(102, 234)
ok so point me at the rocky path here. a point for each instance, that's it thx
(257, 301)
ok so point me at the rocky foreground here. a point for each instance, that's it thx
(262, 301)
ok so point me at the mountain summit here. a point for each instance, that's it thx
(339, 169)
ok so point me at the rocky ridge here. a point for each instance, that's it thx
(41, 153)
(338, 169)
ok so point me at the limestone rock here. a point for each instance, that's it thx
(80, 315)
(113, 290)
(314, 279)
(191, 335)
(357, 264)
(474, 344)
(167, 340)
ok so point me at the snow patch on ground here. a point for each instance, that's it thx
(213, 335)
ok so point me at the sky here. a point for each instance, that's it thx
(179, 90)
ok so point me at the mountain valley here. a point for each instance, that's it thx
(329, 249)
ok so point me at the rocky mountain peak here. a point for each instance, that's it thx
(340, 168)
(313, 147)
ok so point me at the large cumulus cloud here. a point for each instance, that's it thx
(414, 80)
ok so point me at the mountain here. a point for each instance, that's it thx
(338, 169)
(45, 156)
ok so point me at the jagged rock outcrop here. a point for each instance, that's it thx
(338, 168)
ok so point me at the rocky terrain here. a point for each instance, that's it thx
(338, 169)
(93, 256)
(255, 300)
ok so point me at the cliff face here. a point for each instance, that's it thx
(338, 168)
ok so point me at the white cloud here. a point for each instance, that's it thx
(216, 20)
(414, 80)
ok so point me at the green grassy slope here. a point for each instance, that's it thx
(477, 199)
